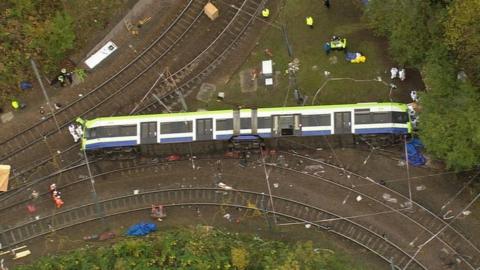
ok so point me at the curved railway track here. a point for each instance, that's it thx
(284, 208)
(23, 140)
(430, 223)
(205, 62)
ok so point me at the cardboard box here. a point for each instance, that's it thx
(211, 11)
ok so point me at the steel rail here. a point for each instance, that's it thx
(394, 192)
(225, 50)
(31, 139)
(75, 170)
(207, 70)
(289, 209)
(424, 227)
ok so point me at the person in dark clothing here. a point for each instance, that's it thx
(62, 78)
(326, 3)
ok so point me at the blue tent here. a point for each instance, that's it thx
(415, 156)
(141, 229)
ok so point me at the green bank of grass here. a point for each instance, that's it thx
(343, 19)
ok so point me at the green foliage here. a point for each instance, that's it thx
(56, 38)
(462, 34)
(441, 38)
(197, 249)
(80, 74)
(239, 257)
(410, 26)
(46, 30)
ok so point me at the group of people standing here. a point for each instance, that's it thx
(397, 73)
(76, 131)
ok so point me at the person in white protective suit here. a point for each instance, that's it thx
(79, 131)
(71, 129)
(393, 73)
(401, 74)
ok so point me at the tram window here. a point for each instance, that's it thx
(399, 117)
(383, 117)
(224, 124)
(176, 127)
(107, 131)
(314, 120)
(91, 133)
(363, 118)
(130, 130)
(264, 122)
(245, 123)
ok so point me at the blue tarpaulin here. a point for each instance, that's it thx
(415, 156)
(141, 229)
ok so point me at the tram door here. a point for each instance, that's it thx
(204, 129)
(148, 132)
(343, 123)
(286, 125)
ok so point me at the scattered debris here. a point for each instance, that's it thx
(346, 198)
(308, 226)
(401, 163)
(228, 217)
(359, 198)
(448, 215)
(35, 194)
(421, 187)
(211, 11)
(275, 185)
(293, 66)
(407, 204)
(466, 212)
(389, 198)
(413, 242)
(224, 186)
(313, 167)
(136, 191)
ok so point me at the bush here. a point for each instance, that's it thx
(195, 249)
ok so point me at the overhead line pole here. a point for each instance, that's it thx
(35, 70)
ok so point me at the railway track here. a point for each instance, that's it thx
(206, 62)
(113, 86)
(418, 215)
(205, 65)
(284, 209)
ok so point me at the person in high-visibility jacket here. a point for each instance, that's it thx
(265, 13)
(309, 21)
(16, 104)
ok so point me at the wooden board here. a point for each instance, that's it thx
(4, 174)
(211, 11)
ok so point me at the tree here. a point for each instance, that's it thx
(409, 25)
(449, 119)
(56, 38)
(440, 37)
(462, 34)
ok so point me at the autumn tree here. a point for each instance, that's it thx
(462, 34)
